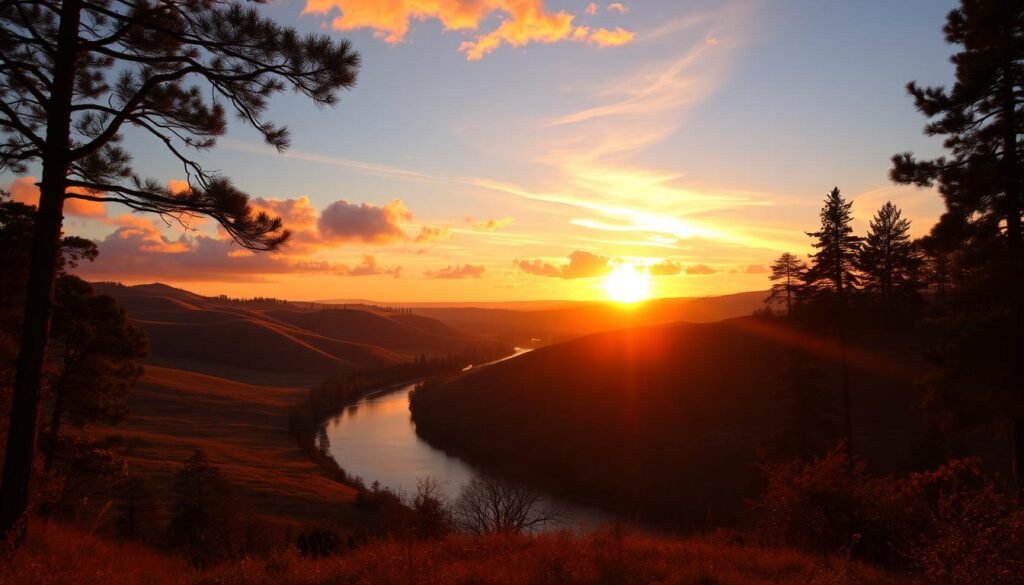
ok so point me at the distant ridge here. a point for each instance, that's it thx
(276, 341)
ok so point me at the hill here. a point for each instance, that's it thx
(543, 323)
(243, 430)
(664, 423)
(274, 341)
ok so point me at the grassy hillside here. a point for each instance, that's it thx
(662, 423)
(243, 429)
(60, 556)
(278, 342)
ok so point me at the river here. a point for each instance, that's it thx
(376, 440)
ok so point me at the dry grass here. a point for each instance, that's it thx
(242, 428)
(562, 559)
(56, 555)
(60, 556)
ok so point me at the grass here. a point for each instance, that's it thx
(243, 429)
(60, 556)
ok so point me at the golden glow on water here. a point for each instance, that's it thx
(627, 284)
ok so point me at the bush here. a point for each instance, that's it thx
(955, 524)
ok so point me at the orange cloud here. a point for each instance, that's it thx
(526, 21)
(618, 7)
(457, 272)
(581, 265)
(369, 267)
(664, 268)
(24, 190)
(700, 270)
(433, 234)
(342, 221)
(493, 225)
(603, 37)
(592, 8)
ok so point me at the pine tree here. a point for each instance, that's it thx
(889, 261)
(979, 238)
(983, 180)
(789, 271)
(74, 74)
(100, 358)
(833, 265)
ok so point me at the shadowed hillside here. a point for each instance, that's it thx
(664, 423)
(280, 342)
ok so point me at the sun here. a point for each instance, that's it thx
(626, 284)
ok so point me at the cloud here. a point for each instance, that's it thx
(369, 267)
(603, 37)
(581, 265)
(342, 221)
(457, 272)
(24, 190)
(591, 8)
(137, 249)
(523, 21)
(433, 234)
(492, 225)
(700, 270)
(618, 7)
(755, 269)
(664, 268)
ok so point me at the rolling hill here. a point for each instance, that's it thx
(664, 423)
(270, 341)
(530, 324)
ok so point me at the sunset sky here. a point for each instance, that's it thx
(522, 149)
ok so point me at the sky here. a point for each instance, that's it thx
(499, 150)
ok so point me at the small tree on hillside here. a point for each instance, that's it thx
(788, 274)
(834, 264)
(489, 505)
(889, 261)
(203, 514)
(74, 75)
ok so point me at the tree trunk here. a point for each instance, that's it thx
(35, 327)
(1018, 455)
(58, 411)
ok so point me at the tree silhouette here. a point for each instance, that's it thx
(790, 271)
(834, 264)
(74, 74)
(100, 358)
(978, 240)
(889, 261)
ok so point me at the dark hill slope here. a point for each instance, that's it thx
(269, 341)
(663, 422)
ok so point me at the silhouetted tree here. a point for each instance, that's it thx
(490, 505)
(789, 271)
(433, 513)
(202, 512)
(982, 183)
(889, 261)
(834, 264)
(811, 408)
(74, 74)
(137, 513)
(100, 357)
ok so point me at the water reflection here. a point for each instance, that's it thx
(376, 440)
